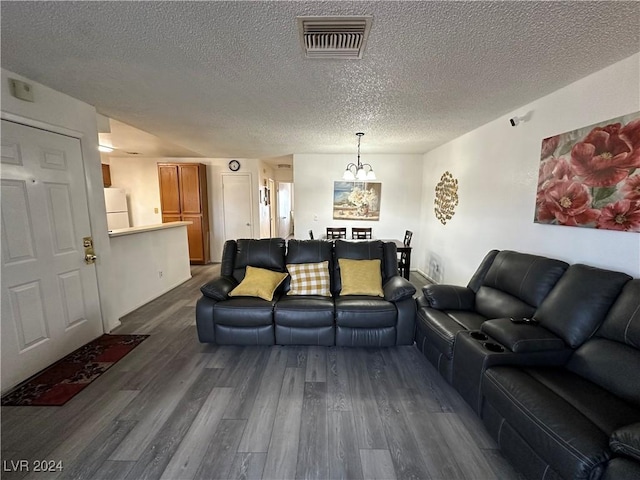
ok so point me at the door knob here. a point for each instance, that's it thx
(89, 253)
(248, 224)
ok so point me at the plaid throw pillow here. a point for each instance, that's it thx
(309, 279)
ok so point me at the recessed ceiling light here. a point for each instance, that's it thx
(105, 148)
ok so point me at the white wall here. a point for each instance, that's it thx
(58, 112)
(283, 175)
(149, 264)
(497, 168)
(401, 178)
(139, 177)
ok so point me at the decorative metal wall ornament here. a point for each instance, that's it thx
(446, 199)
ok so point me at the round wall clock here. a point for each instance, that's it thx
(234, 165)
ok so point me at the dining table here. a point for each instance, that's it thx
(400, 247)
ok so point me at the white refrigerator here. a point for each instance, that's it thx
(117, 211)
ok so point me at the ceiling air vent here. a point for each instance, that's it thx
(334, 37)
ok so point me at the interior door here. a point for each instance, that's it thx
(284, 209)
(50, 302)
(237, 206)
(273, 213)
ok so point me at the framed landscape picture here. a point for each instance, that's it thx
(590, 177)
(356, 200)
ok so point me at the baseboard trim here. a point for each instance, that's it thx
(155, 295)
(424, 274)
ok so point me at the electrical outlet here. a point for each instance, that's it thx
(155, 210)
(159, 273)
(315, 218)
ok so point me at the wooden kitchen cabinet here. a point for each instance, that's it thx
(169, 176)
(184, 197)
(196, 236)
(106, 175)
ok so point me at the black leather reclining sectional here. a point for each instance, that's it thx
(507, 284)
(352, 320)
(549, 356)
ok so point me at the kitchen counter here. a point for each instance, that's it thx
(146, 228)
(148, 262)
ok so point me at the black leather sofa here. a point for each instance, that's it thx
(579, 418)
(559, 393)
(506, 284)
(306, 319)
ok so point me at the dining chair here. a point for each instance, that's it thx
(407, 238)
(361, 233)
(402, 256)
(336, 232)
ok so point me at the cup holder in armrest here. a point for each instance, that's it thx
(493, 347)
(478, 336)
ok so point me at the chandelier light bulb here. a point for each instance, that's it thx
(348, 175)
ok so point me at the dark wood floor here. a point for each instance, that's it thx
(178, 409)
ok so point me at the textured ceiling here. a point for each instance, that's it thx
(130, 141)
(228, 79)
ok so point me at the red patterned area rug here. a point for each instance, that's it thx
(60, 382)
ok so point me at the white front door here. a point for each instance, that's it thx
(237, 204)
(50, 302)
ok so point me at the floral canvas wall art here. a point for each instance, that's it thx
(356, 200)
(590, 177)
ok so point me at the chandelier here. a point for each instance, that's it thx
(359, 171)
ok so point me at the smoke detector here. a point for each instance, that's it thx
(334, 37)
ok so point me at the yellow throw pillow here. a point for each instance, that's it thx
(258, 282)
(360, 277)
